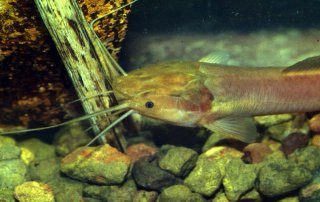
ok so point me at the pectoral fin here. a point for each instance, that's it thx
(241, 128)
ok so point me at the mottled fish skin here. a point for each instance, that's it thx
(220, 97)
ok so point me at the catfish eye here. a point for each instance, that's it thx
(149, 104)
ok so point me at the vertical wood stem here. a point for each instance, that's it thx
(84, 56)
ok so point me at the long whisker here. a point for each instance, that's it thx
(115, 10)
(114, 63)
(112, 109)
(109, 116)
(88, 129)
(128, 113)
(87, 98)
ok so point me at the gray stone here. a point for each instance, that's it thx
(311, 192)
(9, 152)
(88, 199)
(6, 195)
(145, 196)
(68, 195)
(178, 160)
(71, 137)
(12, 173)
(149, 176)
(179, 193)
(252, 196)
(271, 120)
(307, 157)
(40, 150)
(289, 199)
(102, 165)
(276, 178)
(34, 191)
(44, 170)
(239, 178)
(212, 141)
(66, 189)
(220, 197)
(110, 193)
(205, 178)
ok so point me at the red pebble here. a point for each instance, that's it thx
(139, 151)
(256, 152)
(294, 141)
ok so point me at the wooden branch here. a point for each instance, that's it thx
(86, 59)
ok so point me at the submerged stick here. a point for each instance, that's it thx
(86, 59)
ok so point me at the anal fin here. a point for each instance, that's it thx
(240, 128)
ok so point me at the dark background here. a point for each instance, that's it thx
(217, 15)
(175, 18)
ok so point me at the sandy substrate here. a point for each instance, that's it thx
(259, 48)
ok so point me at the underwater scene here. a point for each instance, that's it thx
(159, 101)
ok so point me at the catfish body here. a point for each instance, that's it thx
(219, 97)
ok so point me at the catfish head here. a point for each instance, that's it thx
(172, 92)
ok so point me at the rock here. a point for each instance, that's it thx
(44, 170)
(274, 157)
(238, 179)
(219, 152)
(66, 189)
(33, 191)
(145, 196)
(87, 199)
(220, 197)
(314, 123)
(290, 199)
(256, 152)
(164, 150)
(205, 178)
(7, 140)
(281, 131)
(212, 141)
(294, 141)
(149, 176)
(311, 192)
(217, 139)
(6, 195)
(12, 168)
(9, 152)
(307, 157)
(110, 193)
(179, 193)
(178, 160)
(271, 143)
(26, 155)
(271, 120)
(12, 173)
(40, 150)
(102, 165)
(252, 196)
(283, 176)
(68, 195)
(70, 137)
(316, 140)
(140, 151)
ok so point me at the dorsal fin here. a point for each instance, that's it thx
(309, 64)
(216, 57)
